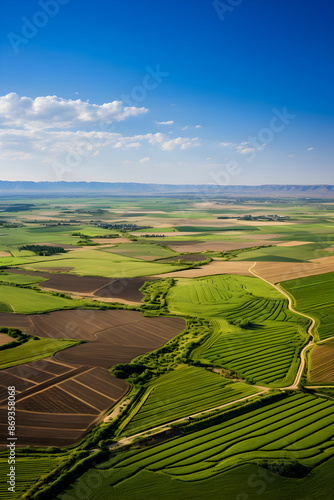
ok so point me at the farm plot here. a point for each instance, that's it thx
(56, 403)
(32, 350)
(183, 392)
(118, 335)
(30, 470)
(268, 354)
(297, 428)
(63, 282)
(276, 272)
(255, 334)
(314, 296)
(126, 288)
(101, 263)
(322, 366)
(28, 301)
(4, 339)
(125, 340)
(21, 278)
(189, 257)
(143, 251)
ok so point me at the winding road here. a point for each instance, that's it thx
(295, 384)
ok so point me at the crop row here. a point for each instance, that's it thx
(184, 392)
(260, 355)
(299, 426)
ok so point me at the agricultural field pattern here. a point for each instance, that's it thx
(165, 347)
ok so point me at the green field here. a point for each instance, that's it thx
(144, 251)
(28, 470)
(264, 351)
(314, 295)
(21, 279)
(102, 263)
(298, 253)
(33, 350)
(181, 393)
(28, 301)
(298, 428)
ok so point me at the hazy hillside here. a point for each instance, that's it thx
(129, 188)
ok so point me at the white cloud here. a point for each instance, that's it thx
(198, 126)
(186, 127)
(55, 144)
(208, 159)
(309, 149)
(52, 112)
(291, 156)
(170, 122)
(247, 147)
(226, 144)
(144, 160)
(246, 150)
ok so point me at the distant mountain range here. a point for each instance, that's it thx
(19, 188)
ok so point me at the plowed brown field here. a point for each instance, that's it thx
(123, 342)
(67, 282)
(322, 367)
(283, 271)
(126, 288)
(56, 403)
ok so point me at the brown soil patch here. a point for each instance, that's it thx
(322, 365)
(118, 335)
(293, 243)
(61, 409)
(215, 267)
(123, 339)
(4, 339)
(5, 254)
(276, 272)
(126, 289)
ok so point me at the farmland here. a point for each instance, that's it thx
(100, 263)
(293, 430)
(180, 393)
(28, 301)
(32, 350)
(206, 340)
(255, 334)
(315, 295)
(30, 471)
(77, 394)
(321, 364)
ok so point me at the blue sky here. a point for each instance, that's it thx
(231, 91)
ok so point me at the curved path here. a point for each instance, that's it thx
(309, 330)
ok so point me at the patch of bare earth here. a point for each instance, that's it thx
(293, 243)
(276, 272)
(4, 339)
(322, 365)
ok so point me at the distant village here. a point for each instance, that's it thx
(259, 217)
